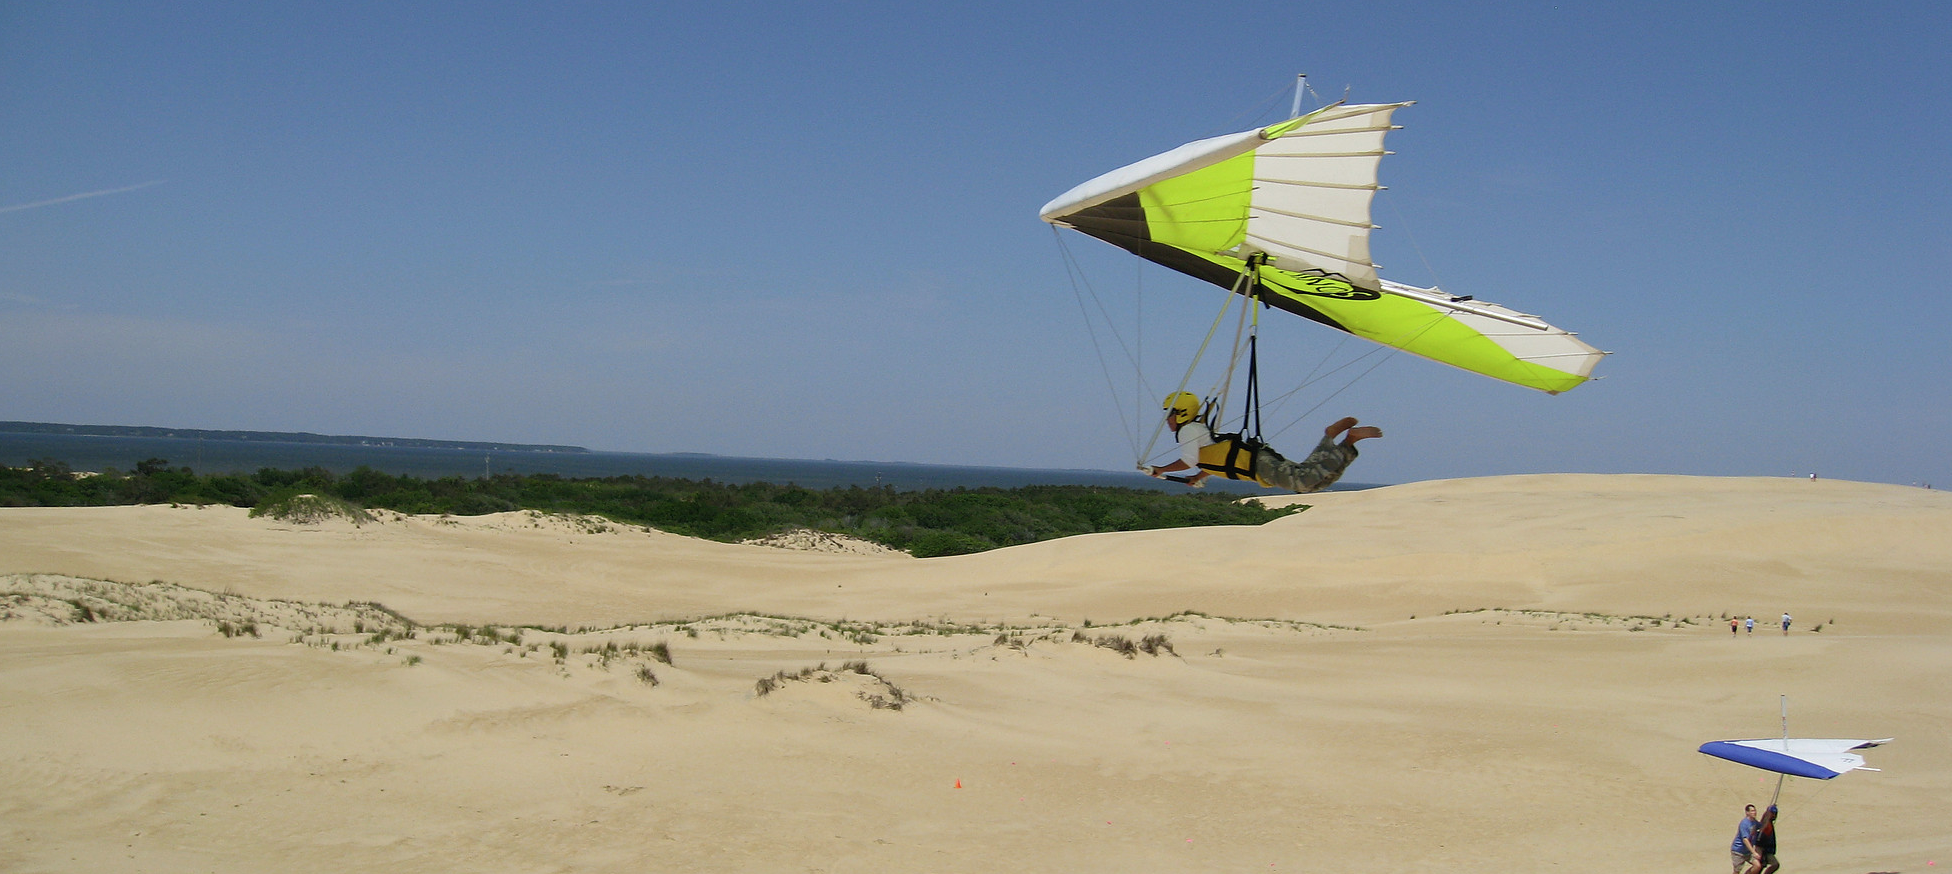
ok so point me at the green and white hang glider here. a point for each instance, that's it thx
(1281, 214)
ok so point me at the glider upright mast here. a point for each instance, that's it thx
(1781, 777)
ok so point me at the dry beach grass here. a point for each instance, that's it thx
(1505, 674)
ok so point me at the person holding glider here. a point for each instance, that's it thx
(1815, 758)
(1764, 838)
(1201, 454)
(1742, 851)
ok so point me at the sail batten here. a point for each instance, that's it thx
(1305, 183)
(1316, 218)
(1338, 131)
(1366, 153)
(1278, 246)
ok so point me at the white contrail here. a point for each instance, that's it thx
(82, 196)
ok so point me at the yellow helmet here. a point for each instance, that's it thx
(1185, 406)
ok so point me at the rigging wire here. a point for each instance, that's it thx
(1410, 235)
(1187, 379)
(1138, 342)
(1246, 328)
(1311, 376)
(1081, 288)
(1078, 280)
(1257, 111)
(1243, 334)
(1269, 104)
(1310, 88)
(1386, 350)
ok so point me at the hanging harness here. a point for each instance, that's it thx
(1232, 454)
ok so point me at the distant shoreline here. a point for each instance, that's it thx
(274, 437)
(97, 448)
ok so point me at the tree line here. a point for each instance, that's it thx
(924, 523)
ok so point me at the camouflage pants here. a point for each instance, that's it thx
(1318, 471)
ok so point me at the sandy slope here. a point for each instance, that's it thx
(1369, 727)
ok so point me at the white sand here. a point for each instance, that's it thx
(1364, 726)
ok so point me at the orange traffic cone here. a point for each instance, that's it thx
(958, 784)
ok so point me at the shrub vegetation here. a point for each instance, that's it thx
(923, 523)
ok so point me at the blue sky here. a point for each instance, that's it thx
(810, 231)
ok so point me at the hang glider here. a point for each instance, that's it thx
(1817, 758)
(1282, 214)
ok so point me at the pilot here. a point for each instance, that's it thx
(1202, 454)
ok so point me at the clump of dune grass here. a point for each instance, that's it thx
(883, 694)
(613, 650)
(1566, 620)
(769, 685)
(389, 632)
(312, 509)
(1151, 644)
(1010, 641)
(238, 629)
(1118, 643)
(486, 635)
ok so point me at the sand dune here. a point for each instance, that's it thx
(1473, 675)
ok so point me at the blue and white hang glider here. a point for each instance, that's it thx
(1816, 758)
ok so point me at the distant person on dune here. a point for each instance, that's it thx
(1202, 455)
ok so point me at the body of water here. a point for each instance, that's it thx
(85, 453)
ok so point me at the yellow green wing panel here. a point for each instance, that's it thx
(1295, 198)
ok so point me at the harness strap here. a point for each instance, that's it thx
(1250, 414)
(1230, 456)
(1250, 417)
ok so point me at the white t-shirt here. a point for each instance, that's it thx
(1192, 436)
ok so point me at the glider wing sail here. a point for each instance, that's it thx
(1818, 758)
(1294, 198)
